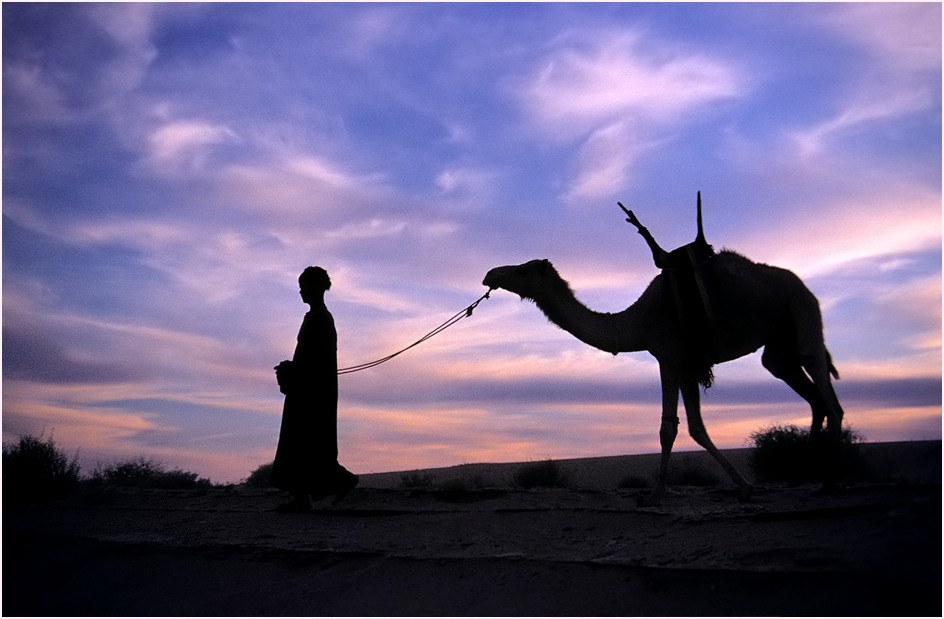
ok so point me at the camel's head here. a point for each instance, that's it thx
(527, 280)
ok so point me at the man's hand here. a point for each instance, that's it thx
(284, 375)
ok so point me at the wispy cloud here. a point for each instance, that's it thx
(812, 139)
(597, 78)
(903, 46)
(904, 38)
(186, 144)
(618, 94)
(868, 232)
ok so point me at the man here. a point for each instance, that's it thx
(306, 460)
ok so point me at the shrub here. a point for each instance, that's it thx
(36, 469)
(545, 474)
(417, 480)
(146, 473)
(787, 453)
(261, 477)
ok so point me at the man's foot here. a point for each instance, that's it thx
(347, 481)
(295, 506)
(317, 495)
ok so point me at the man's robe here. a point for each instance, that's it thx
(306, 459)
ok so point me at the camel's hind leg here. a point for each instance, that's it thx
(696, 428)
(819, 367)
(787, 368)
(818, 391)
(803, 337)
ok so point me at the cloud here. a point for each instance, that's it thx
(37, 99)
(46, 66)
(618, 94)
(883, 325)
(915, 303)
(322, 171)
(35, 357)
(72, 420)
(185, 145)
(899, 74)
(904, 37)
(299, 188)
(466, 186)
(829, 233)
(812, 139)
(372, 28)
(606, 159)
(608, 76)
(130, 26)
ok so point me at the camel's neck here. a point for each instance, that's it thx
(610, 332)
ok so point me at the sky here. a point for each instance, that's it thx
(169, 170)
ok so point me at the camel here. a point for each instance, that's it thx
(753, 305)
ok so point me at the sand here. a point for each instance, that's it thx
(465, 541)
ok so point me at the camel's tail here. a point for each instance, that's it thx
(832, 368)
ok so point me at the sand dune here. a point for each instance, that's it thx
(891, 461)
(464, 541)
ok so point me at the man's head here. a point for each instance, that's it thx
(313, 281)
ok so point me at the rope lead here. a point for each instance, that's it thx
(465, 313)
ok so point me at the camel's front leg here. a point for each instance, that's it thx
(668, 430)
(696, 428)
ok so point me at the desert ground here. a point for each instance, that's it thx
(467, 540)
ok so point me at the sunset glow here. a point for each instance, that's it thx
(169, 170)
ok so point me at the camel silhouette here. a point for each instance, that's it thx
(750, 305)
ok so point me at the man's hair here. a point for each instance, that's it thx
(314, 278)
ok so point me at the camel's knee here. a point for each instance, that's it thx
(831, 409)
(696, 429)
(817, 366)
(668, 431)
(833, 401)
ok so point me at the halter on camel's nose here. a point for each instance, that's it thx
(493, 277)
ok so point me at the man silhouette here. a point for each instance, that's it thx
(306, 459)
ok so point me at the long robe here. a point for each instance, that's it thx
(306, 459)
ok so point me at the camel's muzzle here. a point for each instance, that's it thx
(493, 277)
(498, 276)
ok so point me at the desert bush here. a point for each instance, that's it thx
(544, 474)
(260, 477)
(144, 472)
(416, 480)
(36, 469)
(787, 453)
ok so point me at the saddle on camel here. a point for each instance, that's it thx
(688, 272)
